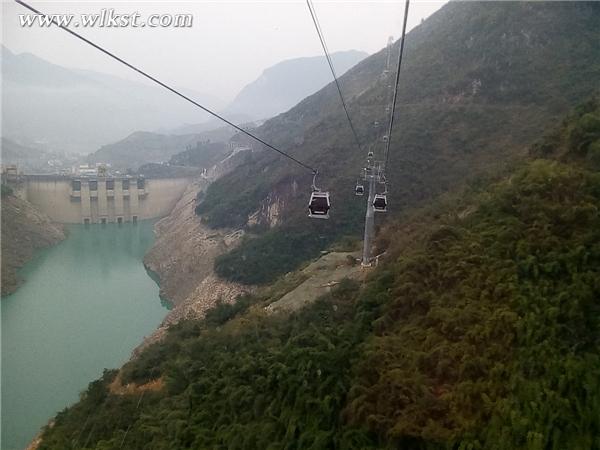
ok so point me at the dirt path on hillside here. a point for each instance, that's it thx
(322, 275)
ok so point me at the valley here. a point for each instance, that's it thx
(220, 316)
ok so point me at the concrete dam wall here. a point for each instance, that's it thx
(101, 199)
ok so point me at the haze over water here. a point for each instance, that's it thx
(85, 305)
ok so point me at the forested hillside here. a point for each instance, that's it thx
(480, 82)
(479, 331)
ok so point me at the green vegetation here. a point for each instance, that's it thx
(218, 211)
(577, 139)
(491, 323)
(479, 331)
(203, 154)
(263, 259)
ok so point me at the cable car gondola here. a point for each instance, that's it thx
(359, 190)
(319, 203)
(380, 203)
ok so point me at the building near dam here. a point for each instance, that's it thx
(100, 199)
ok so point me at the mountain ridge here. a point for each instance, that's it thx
(95, 108)
(284, 84)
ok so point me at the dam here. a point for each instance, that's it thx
(100, 199)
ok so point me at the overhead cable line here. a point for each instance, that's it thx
(166, 86)
(377, 202)
(400, 54)
(315, 20)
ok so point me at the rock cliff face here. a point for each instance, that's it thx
(184, 252)
(270, 212)
(24, 230)
(183, 257)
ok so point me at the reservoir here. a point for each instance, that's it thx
(84, 306)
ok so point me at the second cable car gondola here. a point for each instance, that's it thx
(380, 203)
(359, 189)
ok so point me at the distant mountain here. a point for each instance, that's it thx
(283, 85)
(213, 126)
(33, 159)
(278, 89)
(78, 110)
(202, 146)
(143, 147)
(13, 152)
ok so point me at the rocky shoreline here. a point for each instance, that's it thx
(24, 231)
(182, 257)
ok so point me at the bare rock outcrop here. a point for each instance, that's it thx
(185, 250)
(24, 230)
(183, 257)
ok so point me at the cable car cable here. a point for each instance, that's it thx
(400, 55)
(166, 86)
(315, 20)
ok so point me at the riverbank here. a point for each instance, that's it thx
(183, 256)
(24, 231)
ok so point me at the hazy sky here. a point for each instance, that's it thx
(229, 44)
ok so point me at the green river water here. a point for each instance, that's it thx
(85, 305)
